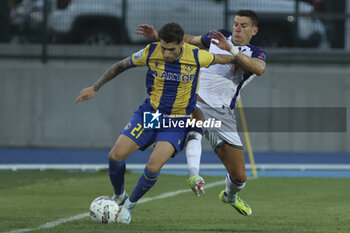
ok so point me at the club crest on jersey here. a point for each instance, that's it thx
(188, 68)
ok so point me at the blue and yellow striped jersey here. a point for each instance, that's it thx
(172, 87)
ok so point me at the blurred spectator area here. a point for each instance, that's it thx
(290, 30)
(5, 8)
(334, 15)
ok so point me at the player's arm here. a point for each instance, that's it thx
(147, 31)
(222, 59)
(112, 72)
(194, 40)
(151, 33)
(254, 65)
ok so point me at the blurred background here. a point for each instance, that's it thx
(319, 24)
(51, 49)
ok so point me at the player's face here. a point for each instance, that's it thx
(243, 30)
(171, 51)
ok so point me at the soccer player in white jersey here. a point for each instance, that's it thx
(219, 89)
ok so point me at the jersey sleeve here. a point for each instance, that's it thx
(140, 58)
(205, 58)
(206, 40)
(259, 53)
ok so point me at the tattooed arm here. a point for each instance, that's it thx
(111, 73)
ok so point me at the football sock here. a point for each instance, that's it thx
(232, 188)
(116, 175)
(145, 183)
(193, 152)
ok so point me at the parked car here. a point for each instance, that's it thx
(109, 22)
(26, 21)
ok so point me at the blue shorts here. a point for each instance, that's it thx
(146, 137)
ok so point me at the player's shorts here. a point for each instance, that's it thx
(227, 133)
(146, 137)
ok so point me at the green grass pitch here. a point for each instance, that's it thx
(31, 199)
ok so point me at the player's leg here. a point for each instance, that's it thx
(193, 154)
(193, 144)
(123, 147)
(167, 141)
(132, 137)
(162, 152)
(227, 144)
(233, 159)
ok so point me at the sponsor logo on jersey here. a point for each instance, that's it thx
(138, 54)
(177, 77)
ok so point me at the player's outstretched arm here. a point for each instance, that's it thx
(222, 44)
(147, 31)
(223, 59)
(193, 40)
(85, 94)
(112, 72)
(222, 41)
(151, 33)
(254, 65)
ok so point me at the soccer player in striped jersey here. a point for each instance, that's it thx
(172, 85)
(218, 93)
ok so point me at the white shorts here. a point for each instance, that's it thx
(227, 133)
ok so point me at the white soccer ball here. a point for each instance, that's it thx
(104, 210)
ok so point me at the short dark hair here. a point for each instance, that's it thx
(250, 14)
(171, 32)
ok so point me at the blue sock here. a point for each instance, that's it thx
(116, 175)
(146, 182)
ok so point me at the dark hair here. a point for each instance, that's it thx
(171, 32)
(250, 14)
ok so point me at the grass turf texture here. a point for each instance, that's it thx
(31, 199)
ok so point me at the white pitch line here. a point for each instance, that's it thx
(80, 216)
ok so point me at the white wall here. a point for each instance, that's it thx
(37, 109)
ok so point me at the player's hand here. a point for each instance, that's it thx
(85, 94)
(147, 31)
(222, 41)
(197, 184)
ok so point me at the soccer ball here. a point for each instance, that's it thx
(104, 210)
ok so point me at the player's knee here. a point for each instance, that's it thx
(152, 168)
(240, 177)
(198, 114)
(115, 155)
(194, 135)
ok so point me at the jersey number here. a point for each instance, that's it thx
(137, 130)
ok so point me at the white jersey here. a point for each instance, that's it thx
(220, 85)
